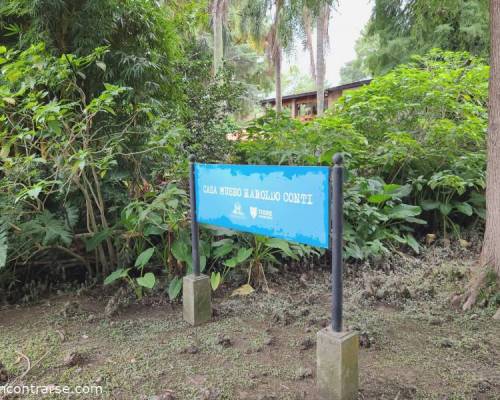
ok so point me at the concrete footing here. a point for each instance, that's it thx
(337, 364)
(196, 297)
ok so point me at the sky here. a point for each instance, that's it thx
(345, 27)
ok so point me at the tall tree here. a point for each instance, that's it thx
(276, 50)
(219, 16)
(321, 39)
(307, 24)
(403, 28)
(271, 21)
(490, 254)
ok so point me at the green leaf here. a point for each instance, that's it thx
(114, 276)
(397, 191)
(402, 211)
(101, 65)
(215, 280)
(281, 245)
(414, 220)
(445, 209)
(224, 249)
(231, 262)
(326, 157)
(144, 257)
(391, 187)
(243, 254)
(464, 208)
(240, 257)
(221, 242)
(379, 198)
(55, 126)
(92, 243)
(174, 288)
(181, 251)
(147, 281)
(410, 240)
(49, 229)
(429, 205)
(72, 215)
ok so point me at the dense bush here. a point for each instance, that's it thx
(414, 144)
(95, 129)
(93, 170)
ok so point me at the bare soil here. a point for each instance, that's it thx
(414, 345)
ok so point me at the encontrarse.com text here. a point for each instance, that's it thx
(50, 389)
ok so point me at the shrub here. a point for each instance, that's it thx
(414, 147)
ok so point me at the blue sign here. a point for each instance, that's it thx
(290, 203)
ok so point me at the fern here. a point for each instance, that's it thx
(48, 229)
(72, 216)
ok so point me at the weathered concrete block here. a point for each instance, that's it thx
(197, 299)
(337, 364)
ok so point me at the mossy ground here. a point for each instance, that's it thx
(420, 348)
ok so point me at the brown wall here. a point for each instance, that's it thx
(310, 100)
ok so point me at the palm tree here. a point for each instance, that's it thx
(307, 27)
(268, 21)
(321, 38)
(275, 51)
(315, 12)
(219, 17)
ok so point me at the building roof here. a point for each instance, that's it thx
(313, 93)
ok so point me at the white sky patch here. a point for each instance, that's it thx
(346, 23)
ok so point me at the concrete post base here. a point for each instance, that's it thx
(337, 364)
(196, 297)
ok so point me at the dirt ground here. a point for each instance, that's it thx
(414, 344)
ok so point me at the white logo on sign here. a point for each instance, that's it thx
(253, 212)
(237, 210)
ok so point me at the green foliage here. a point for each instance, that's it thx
(399, 29)
(231, 251)
(426, 123)
(174, 288)
(47, 230)
(96, 124)
(95, 128)
(142, 41)
(208, 102)
(414, 147)
(129, 275)
(377, 219)
(77, 165)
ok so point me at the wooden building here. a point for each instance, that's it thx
(303, 105)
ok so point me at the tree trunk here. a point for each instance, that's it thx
(277, 73)
(321, 31)
(217, 30)
(490, 253)
(277, 54)
(309, 41)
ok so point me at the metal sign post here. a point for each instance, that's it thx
(336, 213)
(196, 290)
(195, 235)
(336, 349)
